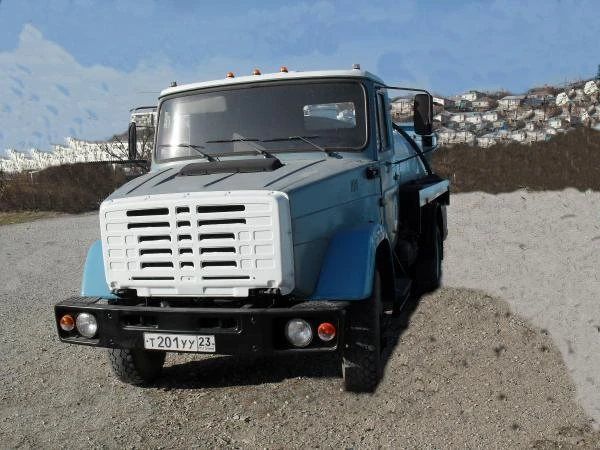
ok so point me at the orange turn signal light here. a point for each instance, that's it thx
(283, 69)
(256, 72)
(67, 322)
(326, 331)
(230, 75)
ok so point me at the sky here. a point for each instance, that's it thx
(76, 67)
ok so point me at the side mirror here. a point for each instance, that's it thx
(423, 117)
(132, 141)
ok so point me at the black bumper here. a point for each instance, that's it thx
(236, 330)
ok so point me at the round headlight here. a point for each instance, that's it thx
(86, 325)
(298, 332)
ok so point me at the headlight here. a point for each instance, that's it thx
(86, 325)
(298, 332)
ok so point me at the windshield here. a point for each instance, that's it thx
(302, 116)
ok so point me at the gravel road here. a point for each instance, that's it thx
(463, 371)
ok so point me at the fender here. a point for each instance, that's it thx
(349, 264)
(93, 283)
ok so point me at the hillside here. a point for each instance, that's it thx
(568, 160)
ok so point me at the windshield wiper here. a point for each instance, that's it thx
(193, 147)
(305, 139)
(249, 141)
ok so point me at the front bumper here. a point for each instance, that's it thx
(244, 330)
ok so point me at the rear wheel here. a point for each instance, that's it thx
(362, 359)
(136, 367)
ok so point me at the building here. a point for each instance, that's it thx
(511, 102)
(402, 105)
(457, 117)
(473, 117)
(443, 117)
(490, 116)
(444, 102)
(482, 103)
(471, 96)
(557, 122)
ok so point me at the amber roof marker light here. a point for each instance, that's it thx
(256, 72)
(283, 69)
(230, 75)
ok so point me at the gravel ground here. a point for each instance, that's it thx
(463, 371)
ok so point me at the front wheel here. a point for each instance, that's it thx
(137, 367)
(362, 359)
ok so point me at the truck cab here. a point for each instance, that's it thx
(282, 213)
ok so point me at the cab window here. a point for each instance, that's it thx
(383, 143)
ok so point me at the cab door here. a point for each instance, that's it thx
(387, 168)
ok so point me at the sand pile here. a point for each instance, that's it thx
(541, 253)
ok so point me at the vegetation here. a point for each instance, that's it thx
(72, 188)
(569, 160)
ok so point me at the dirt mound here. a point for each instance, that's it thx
(568, 160)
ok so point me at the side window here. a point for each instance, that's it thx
(383, 143)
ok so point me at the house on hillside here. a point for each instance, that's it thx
(443, 117)
(500, 124)
(489, 139)
(473, 117)
(511, 102)
(536, 136)
(571, 119)
(483, 103)
(457, 117)
(518, 135)
(531, 126)
(447, 136)
(444, 102)
(402, 105)
(460, 103)
(471, 96)
(557, 122)
(490, 116)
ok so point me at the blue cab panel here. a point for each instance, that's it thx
(94, 283)
(349, 264)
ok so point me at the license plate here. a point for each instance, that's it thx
(179, 342)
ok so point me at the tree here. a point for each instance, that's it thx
(117, 147)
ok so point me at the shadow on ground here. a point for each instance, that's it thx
(227, 371)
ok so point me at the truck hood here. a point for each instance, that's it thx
(293, 174)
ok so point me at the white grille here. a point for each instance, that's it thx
(211, 244)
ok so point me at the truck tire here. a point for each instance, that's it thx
(137, 367)
(428, 267)
(361, 358)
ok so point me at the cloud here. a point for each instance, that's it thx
(49, 91)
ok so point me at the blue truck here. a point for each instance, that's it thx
(282, 213)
